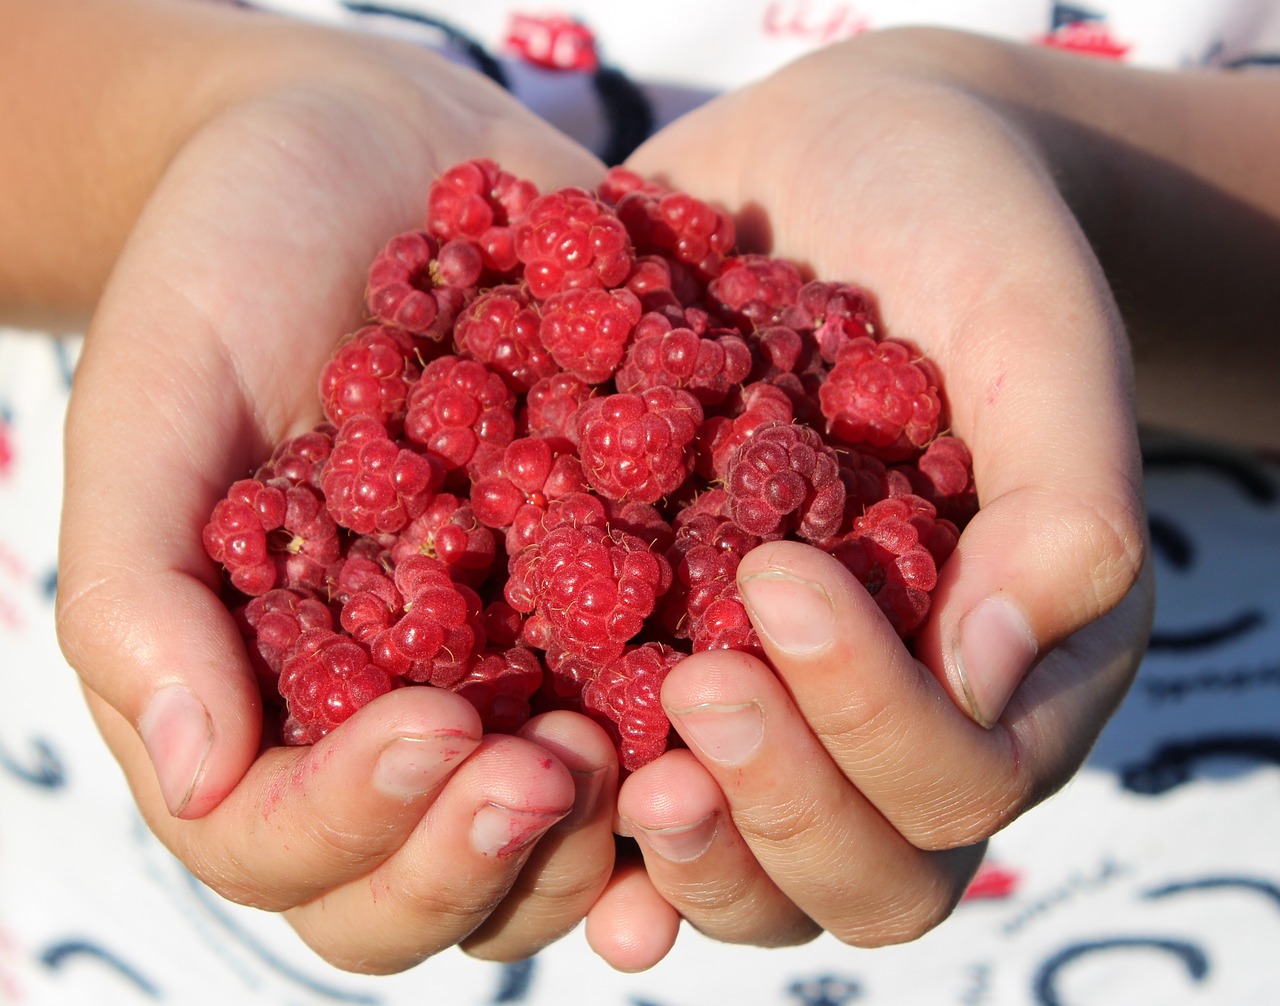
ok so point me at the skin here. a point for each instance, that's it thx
(406, 831)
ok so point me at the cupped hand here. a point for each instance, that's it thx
(851, 787)
(245, 267)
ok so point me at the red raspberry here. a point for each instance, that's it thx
(367, 375)
(502, 624)
(415, 285)
(619, 181)
(943, 475)
(755, 290)
(638, 446)
(478, 200)
(725, 625)
(627, 693)
(299, 460)
(325, 678)
(277, 618)
(531, 523)
(677, 224)
(680, 358)
(895, 550)
(569, 240)
(594, 587)
(704, 558)
(436, 636)
(456, 406)
(268, 535)
(500, 684)
(761, 404)
(586, 331)
(500, 329)
(532, 472)
(551, 404)
(882, 396)
(837, 313)
(449, 531)
(371, 484)
(784, 478)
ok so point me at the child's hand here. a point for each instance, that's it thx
(853, 792)
(406, 831)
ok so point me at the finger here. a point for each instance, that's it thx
(453, 871)
(882, 717)
(308, 819)
(823, 843)
(572, 863)
(632, 927)
(697, 860)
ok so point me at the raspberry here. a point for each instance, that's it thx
(594, 587)
(680, 358)
(368, 375)
(627, 693)
(449, 531)
(300, 459)
(784, 478)
(532, 472)
(500, 685)
(704, 555)
(755, 290)
(277, 618)
(619, 181)
(371, 484)
(457, 405)
(478, 200)
(552, 403)
(531, 523)
(719, 437)
(325, 678)
(438, 632)
(725, 625)
(500, 329)
(675, 223)
(569, 240)
(895, 550)
(943, 475)
(586, 331)
(836, 313)
(638, 446)
(883, 396)
(411, 286)
(271, 534)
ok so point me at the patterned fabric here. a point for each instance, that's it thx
(1154, 877)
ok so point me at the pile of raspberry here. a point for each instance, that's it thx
(568, 417)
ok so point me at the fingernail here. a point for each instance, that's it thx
(587, 786)
(682, 844)
(796, 614)
(728, 735)
(498, 831)
(408, 767)
(994, 650)
(178, 734)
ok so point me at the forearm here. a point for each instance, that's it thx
(1172, 176)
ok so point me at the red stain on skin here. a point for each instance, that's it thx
(547, 763)
(993, 393)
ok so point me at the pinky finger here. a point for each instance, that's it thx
(631, 926)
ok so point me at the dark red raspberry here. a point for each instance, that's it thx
(372, 485)
(627, 694)
(569, 240)
(449, 531)
(551, 405)
(478, 200)
(586, 331)
(882, 396)
(368, 375)
(755, 290)
(502, 624)
(943, 475)
(277, 618)
(500, 329)
(300, 459)
(785, 478)
(638, 446)
(760, 405)
(270, 535)
(708, 367)
(412, 287)
(456, 406)
(594, 587)
(894, 550)
(325, 678)
(500, 684)
(677, 224)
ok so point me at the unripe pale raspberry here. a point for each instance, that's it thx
(638, 446)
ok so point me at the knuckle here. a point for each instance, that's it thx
(911, 914)
(1117, 538)
(784, 822)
